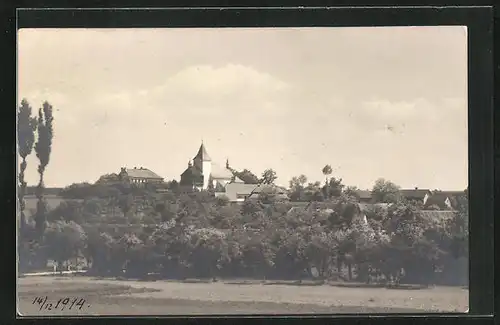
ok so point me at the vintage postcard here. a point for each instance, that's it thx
(200, 171)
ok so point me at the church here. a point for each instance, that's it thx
(202, 173)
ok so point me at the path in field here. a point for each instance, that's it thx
(203, 298)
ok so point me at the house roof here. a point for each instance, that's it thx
(439, 198)
(415, 193)
(364, 194)
(233, 189)
(142, 173)
(202, 154)
(269, 188)
(451, 193)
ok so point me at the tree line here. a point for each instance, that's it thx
(122, 229)
(34, 133)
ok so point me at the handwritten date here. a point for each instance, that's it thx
(67, 303)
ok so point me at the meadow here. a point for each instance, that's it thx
(129, 297)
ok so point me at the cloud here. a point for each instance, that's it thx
(398, 111)
(207, 80)
(63, 107)
(226, 88)
(36, 98)
(412, 115)
(202, 90)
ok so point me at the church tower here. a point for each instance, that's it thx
(203, 162)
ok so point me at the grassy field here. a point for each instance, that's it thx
(116, 297)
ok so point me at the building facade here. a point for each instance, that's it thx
(139, 176)
(202, 173)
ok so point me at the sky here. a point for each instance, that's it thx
(373, 102)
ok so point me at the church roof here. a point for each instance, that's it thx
(202, 154)
(192, 171)
(220, 173)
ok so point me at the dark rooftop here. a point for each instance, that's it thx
(415, 193)
(202, 154)
(142, 173)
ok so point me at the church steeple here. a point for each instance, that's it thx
(202, 154)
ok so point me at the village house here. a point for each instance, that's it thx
(416, 194)
(139, 176)
(444, 200)
(236, 192)
(239, 192)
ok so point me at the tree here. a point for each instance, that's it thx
(130, 249)
(376, 212)
(297, 188)
(26, 127)
(327, 170)
(108, 179)
(250, 207)
(211, 187)
(68, 210)
(98, 251)
(43, 148)
(252, 252)
(414, 244)
(209, 251)
(246, 176)
(386, 192)
(126, 202)
(268, 196)
(459, 228)
(352, 191)
(333, 188)
(65, 240)
(30, 249)
(77, 191)
(268, 176)
(167, 210)
(173, 186)
(313, 192)
(434, 207)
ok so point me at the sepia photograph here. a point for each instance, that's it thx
(198, 171)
